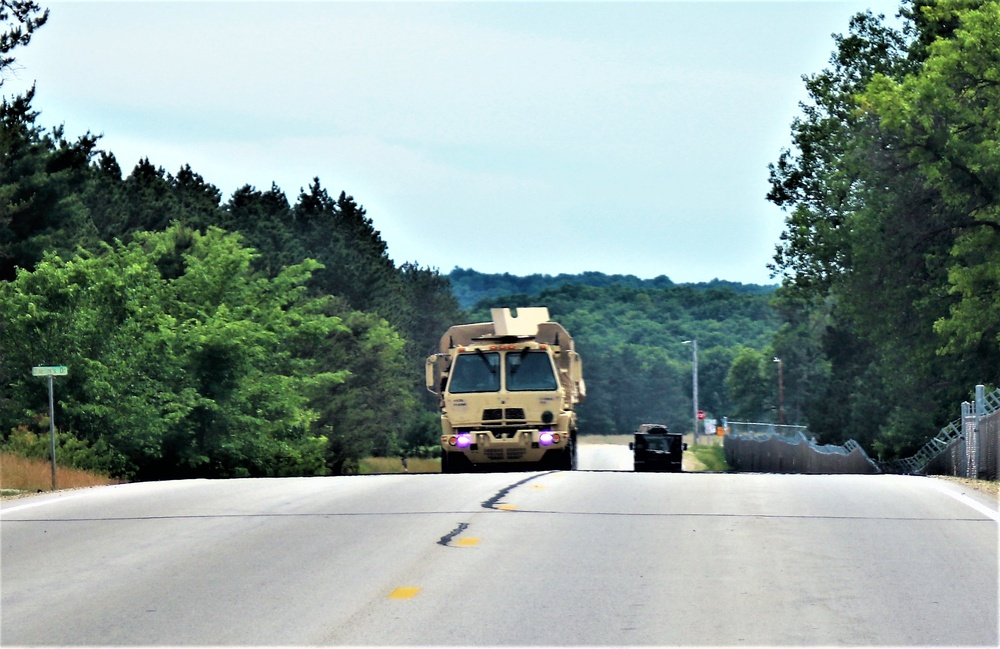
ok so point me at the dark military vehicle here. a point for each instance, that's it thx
(657, 449)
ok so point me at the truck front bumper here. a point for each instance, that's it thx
(526, 445)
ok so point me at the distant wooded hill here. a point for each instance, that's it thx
(470, 286)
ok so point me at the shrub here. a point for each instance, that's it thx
(70, 451)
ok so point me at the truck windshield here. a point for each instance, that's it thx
(479, 372)
(529, 370)
(657, 443)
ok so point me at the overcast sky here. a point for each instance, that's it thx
(516, 137)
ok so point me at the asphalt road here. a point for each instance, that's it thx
(554, 558)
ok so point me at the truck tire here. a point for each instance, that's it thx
(565, 460)
(455, 463)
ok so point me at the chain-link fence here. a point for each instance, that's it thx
(968, 447)
(975, 453)
(772, 448)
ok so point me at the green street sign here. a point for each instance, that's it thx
(50, 370)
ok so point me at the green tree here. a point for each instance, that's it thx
(368, 412)
(427, 309)
(891, 177)
(264, 219)
(946, 121)
(751, 392)
(20, 19)
(816, 181)
(182, 360)
(149, 203)
(41, 175)
(339, 234)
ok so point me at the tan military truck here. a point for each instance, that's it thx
(507, 391)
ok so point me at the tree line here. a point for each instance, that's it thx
(204, 337)
(890, 258)
(471, 287)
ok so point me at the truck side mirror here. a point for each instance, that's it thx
(431, 374)
(685, 446)
(575, 367)
(631, 446)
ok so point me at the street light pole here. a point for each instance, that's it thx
(781, 391)
(694, 382)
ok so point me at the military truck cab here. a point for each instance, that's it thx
(656, 449)
(507, 392)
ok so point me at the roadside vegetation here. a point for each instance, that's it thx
(371, 465)
(20, 475)
(709, 457)
(890, 258)
(989, 487)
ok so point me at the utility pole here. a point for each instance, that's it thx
(781, 391)
(694, 382)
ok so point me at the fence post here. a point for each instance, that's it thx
(979, 411)
(963, 470)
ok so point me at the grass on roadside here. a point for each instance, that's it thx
(990, 487)
(711, 456)
(371, 465)
(19, 475)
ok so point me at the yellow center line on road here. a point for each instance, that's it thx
(507, 508)
(467, 542)
(404, 592)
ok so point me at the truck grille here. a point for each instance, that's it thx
(498, 414)
(515, 453)
(509, 454)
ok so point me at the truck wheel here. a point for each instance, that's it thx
(455, 463)
(566, 459)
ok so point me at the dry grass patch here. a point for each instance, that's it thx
(991, 487)
(20, 475)
(395, 465)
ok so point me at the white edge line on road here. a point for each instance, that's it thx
(59, 499)
(962, 498)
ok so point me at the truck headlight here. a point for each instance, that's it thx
(545, 438)
(463, 441)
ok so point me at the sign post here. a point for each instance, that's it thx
(51, 371)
